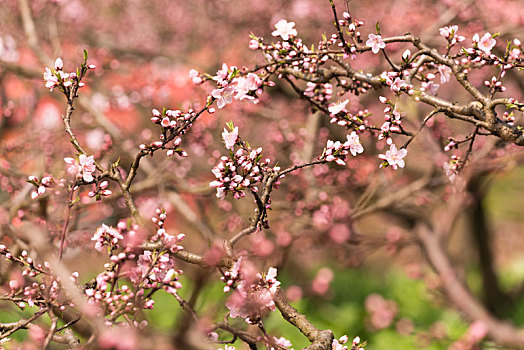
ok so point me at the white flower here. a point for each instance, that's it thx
(223, 96)
(375, 42)
(284, 29)
(230, 138)
(353, 143)
(338, 107)
(486, 43)
(394, 156)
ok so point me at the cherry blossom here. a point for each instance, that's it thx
(224, 96)
(251, 299)
(106, 236)
(338, 107)
(282, 342)
(394, 157)
(445, 74)
(284, 29)
(230, 138)
(195, 77)
(245, 85)
(353, 142)
(486, 43)
(375, 42)
(83, 169)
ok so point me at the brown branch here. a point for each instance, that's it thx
(500, 331)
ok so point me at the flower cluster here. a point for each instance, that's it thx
(41, 185)
(253, 295)
(168, 241)
(100, 190)
(392, 121)
(82, 168)
(242, 170)
(107, 236)
(337, 152)
(319, 92)
(56, 77)
(450, 33)
(395, 82)
(338, 344)
(42, 293)
(174, 123)
(231, 86)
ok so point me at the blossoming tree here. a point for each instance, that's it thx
(395, 127)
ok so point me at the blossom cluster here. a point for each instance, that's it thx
(30, 291)
(41, 185)
(83, 168)
(243, 169)
(340, 116)
(56, 77)
(337, 151)
(392, 121)
(393, 157)
(153, 269)
(253, 294)
(174, 123)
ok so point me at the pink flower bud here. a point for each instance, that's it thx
(253, 44)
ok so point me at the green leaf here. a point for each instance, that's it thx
(377, 26)
(85, 55)
(117, 163)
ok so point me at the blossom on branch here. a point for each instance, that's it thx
(83, 169)
(338, 107)
(284, 29)
(375, 42)
(230, 138)
(394, 157)
(486, 43)
(224, 96)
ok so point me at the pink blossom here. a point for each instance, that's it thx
(450, 33)
(106, 235)
(83, 168)
(353, 142)
(59, 64)
(253, 44)
(338, 344)
(222, 74)
(486, 43)
(447, 32)
(50, 79)
(284, 29)
(338, 107)
(195, 77)
(244, 85)
(394, 156)
(445, 74)
(375, 42)
(398, 84)
(87, 167)
(282, 342)
(224, 96)
(230, 138)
